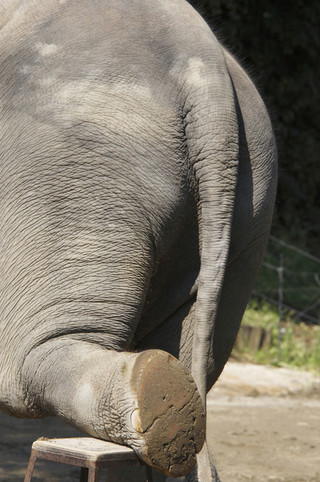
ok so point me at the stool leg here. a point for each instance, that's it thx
(149, 474)
(30, 467)
(94, 473)
(84, 474)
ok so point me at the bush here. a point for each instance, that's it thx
(300, 344)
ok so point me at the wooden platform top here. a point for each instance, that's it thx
(84, 447)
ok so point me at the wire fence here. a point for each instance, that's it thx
(288, 335)
(290, 280)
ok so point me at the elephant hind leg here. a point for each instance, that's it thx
(146, 400)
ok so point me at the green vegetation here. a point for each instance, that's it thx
(300, 344)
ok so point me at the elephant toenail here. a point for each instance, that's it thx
(136, 420)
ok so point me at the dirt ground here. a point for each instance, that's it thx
(263, 425)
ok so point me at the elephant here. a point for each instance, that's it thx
(138, 177)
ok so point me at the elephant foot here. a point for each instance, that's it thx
(169, 415)
(146, 400)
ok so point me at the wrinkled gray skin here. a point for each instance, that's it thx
(138, 169)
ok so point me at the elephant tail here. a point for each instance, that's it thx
(212, 139)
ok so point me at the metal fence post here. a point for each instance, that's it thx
(280, 305)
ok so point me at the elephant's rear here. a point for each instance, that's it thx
(124, 130)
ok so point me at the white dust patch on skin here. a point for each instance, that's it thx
(26, 69)
(48, 82)
(12, 13)
(136, 90)
(83, 399)
(196, 72)
(192, 72)
(123, 107)
(46, 49)
(92, 92)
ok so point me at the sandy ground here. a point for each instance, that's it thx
(263, 425)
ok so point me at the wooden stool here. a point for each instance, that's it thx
(90, 454)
